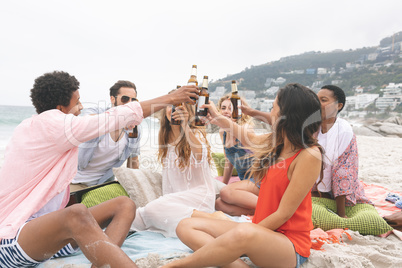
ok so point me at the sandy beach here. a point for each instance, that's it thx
(380, 162)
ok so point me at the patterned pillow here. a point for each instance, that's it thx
(102, 194)
(363, 218)
(219, 159)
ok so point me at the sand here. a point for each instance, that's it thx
(380, 162)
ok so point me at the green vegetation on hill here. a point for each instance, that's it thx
(387, 68)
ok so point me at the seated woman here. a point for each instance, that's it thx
(240, 197)
(341, 162)
(286, 165)
(187, 182)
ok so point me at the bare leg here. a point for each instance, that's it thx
(264, 247)
(219, 215)
(116, 215)
(238, 198)
(41, 238)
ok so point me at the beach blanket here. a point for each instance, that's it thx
(377, 194)
(136, 246)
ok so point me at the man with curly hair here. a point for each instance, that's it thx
(39, 164)
(98, 157)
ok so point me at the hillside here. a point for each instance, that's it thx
(368, 67)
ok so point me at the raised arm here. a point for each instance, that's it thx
(181, 95)
(262, 116)
(246, 137)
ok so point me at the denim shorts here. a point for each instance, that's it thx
(300, 260)
(12, 255)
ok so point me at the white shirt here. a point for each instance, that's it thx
(334, 142)
(107, 153)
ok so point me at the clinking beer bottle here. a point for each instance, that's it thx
(134, 133)
(236, 102)
(172, 121)
(203, 98)
(193, 78)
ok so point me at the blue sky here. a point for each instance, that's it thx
(154, 43)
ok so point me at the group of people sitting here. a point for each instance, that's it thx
(310, 152)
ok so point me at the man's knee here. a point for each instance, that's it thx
(125, 203)
(77, 215)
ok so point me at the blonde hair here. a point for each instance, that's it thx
(245, 119)
(182, 148)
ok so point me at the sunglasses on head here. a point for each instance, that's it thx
(125, 99)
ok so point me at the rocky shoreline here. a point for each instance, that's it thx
(391, 127)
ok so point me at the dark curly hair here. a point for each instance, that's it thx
(53, 89)
(338, 94)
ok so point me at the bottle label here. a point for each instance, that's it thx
(238, 107)
(201, 101)
(191, 84)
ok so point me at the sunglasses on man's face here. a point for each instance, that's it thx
(125, 99)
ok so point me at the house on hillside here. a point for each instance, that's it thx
(392, 97)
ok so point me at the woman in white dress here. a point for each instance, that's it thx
(187, 182)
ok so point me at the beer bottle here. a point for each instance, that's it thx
(203, 98)
(193, 78)
(134, 133)
(173, 121)
(236, 102)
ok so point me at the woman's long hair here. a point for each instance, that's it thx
(299, 120)
(182, 149)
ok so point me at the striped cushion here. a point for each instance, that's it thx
(363, 218)
(102, 194)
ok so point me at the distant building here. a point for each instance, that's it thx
(253, 103)
(220, 91)
(268, 82)
(247, 94)
(359, 90)
(350, 65)
(310, 71)
(272, 91)
(363, 100)
(217, 94)
(392, 97)
(266, 105)
(372, 56)
(279, 81)
(321, 70)
(316, 86)
(336, 82)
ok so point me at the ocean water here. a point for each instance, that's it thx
(12, 116)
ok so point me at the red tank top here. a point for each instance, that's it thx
(273, 186)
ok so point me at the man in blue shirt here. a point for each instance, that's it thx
(98, 157)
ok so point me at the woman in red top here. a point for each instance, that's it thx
(287, 163)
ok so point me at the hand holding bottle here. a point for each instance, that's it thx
(184, 94)
(214, 116)
(181, 114)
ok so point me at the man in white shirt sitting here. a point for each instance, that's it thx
(98, 157)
